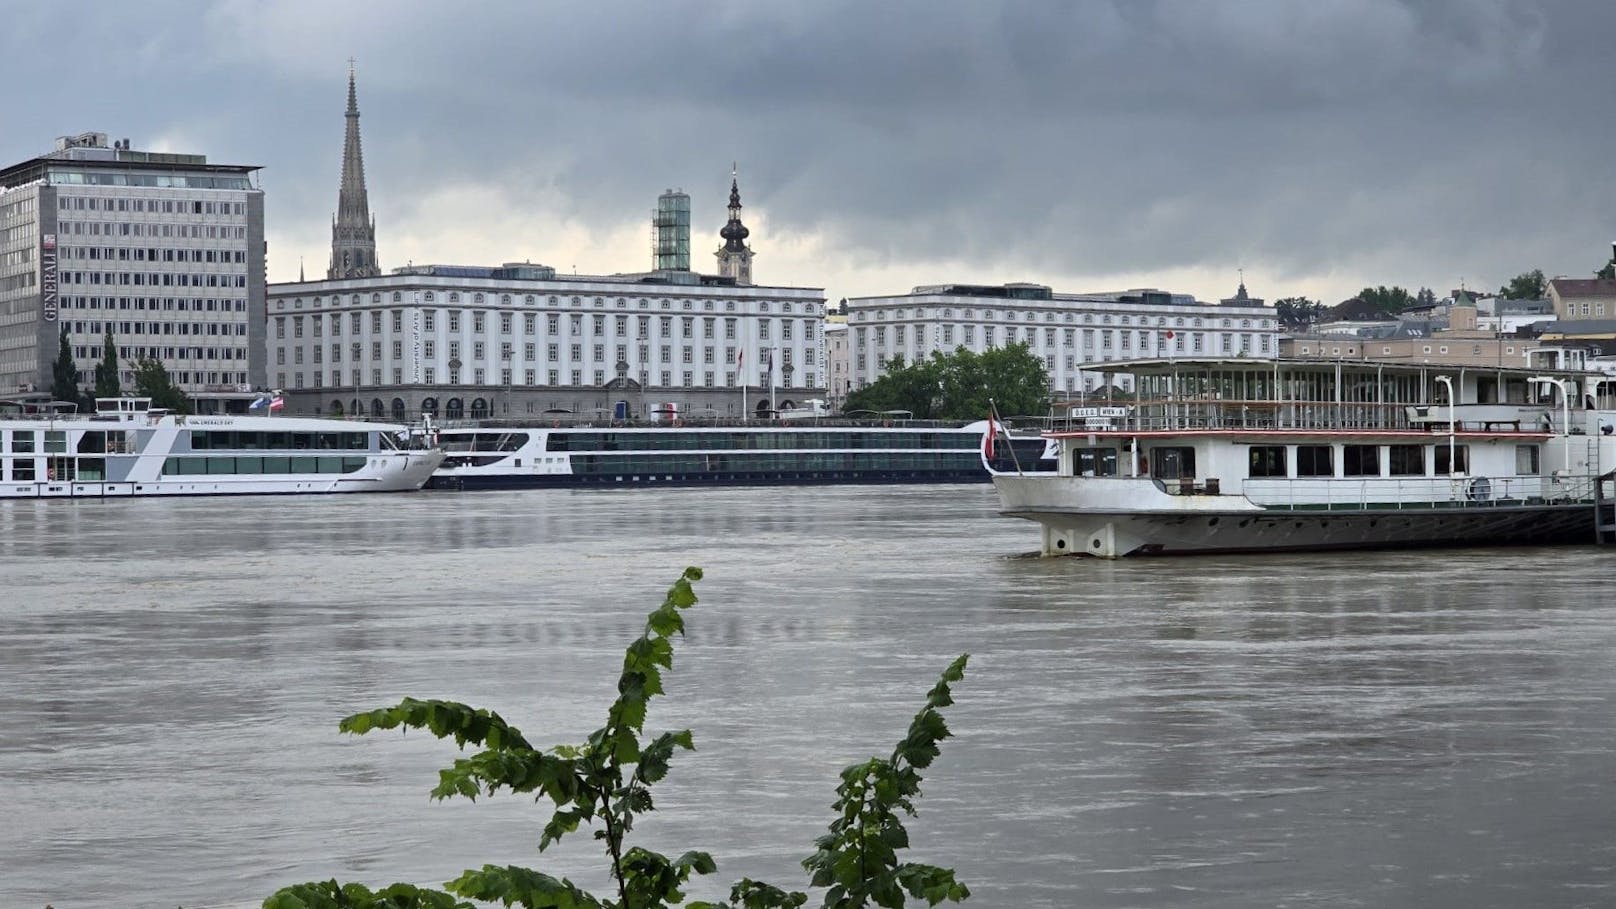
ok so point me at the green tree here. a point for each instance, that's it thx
(1297, 313)
(959, 385)
(1387, 299)
(106, 372)
(1528, 285)
(152, 381)
(65, 373)
(1425, 297)
(607, 780)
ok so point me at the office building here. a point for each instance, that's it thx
(1074, 334)
(165, 251)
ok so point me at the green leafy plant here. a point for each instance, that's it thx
(606, 781)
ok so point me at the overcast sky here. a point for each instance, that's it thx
(1320, 145)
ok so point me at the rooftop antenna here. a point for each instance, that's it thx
(300, 278)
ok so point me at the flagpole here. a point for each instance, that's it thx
(741, 374)
(771, 384)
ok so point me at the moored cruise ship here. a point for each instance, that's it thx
(492, 456)
(1257, 455)
(129, 448)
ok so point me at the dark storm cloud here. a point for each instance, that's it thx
(1323, 145)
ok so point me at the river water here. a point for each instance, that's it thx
(1426, 729)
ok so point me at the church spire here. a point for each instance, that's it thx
(353, 230)
(735, 257)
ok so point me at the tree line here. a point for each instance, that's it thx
(151, 379)
(962, 385)
(1299, 312)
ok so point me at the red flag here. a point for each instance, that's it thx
(987, 445)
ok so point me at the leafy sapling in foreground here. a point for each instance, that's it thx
(858, 859)
(605, 783)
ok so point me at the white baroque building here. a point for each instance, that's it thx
(519, 340)
(1074, 333)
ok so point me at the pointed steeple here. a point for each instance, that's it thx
(353, 230)
(735, 257)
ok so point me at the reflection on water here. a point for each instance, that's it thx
(1388, 729)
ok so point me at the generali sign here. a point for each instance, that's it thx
(47, 276)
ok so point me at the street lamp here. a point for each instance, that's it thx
(1453, 466)
(1565, 405)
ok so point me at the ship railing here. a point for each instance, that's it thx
(1196, 414)
(564, 421)
(1414, 493)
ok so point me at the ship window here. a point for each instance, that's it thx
(1314, 461)
(22, 440)
(1095, 462)
(1405, 460)
(1172, 462)
(1461, 459)
(1526, 460)
(1360, 460)
(55, 441)
(1268, 461)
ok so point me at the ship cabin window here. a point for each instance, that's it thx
(1268, 461)
(1314, 461)
(1360, 460)
(1405, 460)
(22, 440)
(1526, 462)
(1094, 462)
(22, 470)
(55, 441)
(1461, 460)
(1172, 462)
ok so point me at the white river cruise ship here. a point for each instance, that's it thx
(1257, 455)
(129, 448)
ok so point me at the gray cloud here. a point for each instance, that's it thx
(1321, 145)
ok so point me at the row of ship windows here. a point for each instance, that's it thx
(529, 377)
(26, 441)
(21, 441)
(234, 440)
(951, 461)
(1442, 349)
(31, 470)
(532, 300)
(687, 328)
(1009, 315)
(254, 464)
(687, 441)
(1308, 461)
(94, 470)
